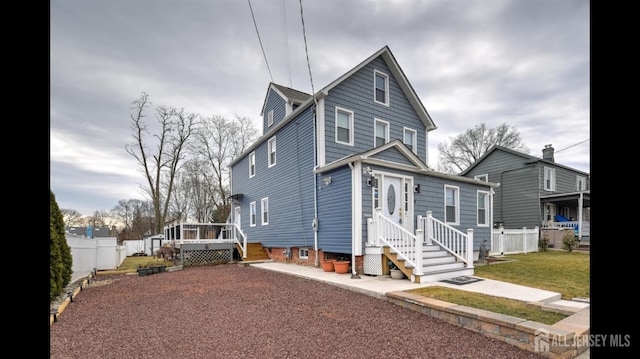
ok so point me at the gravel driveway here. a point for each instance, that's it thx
(227, 311)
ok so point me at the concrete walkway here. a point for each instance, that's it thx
(378, 286)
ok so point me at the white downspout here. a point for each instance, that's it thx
(315, 186)
(356, 222)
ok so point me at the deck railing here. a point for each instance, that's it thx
(187, 233)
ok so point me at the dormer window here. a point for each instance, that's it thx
(381, 88)
(270, 118)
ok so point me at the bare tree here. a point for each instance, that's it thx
(160, 164)
(71, 217)
(465, 149)
(219, 141)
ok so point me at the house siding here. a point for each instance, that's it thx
(288, 185)
(334, 211)
(279, 106)
(356, 94)
(393, 155)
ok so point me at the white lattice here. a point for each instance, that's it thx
(373, 264)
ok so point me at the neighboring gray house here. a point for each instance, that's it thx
(307, 188)
(533, 191)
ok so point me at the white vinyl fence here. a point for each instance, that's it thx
(512, 241)
(91, 254)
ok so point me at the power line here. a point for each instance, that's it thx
(304, 34)
(260, 40)
(581, 142)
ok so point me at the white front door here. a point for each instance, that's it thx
(391, 201)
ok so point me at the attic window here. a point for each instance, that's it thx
(381, 88)
(270, 118)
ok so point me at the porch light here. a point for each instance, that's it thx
(416, 188)
(326, 180)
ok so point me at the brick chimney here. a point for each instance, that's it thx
(547, 153)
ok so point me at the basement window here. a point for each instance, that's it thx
(303, 253)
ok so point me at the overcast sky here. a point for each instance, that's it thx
(521, 62)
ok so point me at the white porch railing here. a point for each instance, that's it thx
(187, 233)
(409, 246)
(584, 231)
(450, 239)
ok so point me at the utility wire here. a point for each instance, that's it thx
(566, 148)
(260, 40)
(304, 34)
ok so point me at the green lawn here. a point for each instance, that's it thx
(556, 271)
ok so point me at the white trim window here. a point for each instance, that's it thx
(381, 88)
(581, 183)
(252, 164)
(270, 118)
(264, 205)
(272, 151)
(380, 132)
(451, 204)
(483, 209)
(549, 179)
(410, 139)
(344, 126)
(483, 178)
(303, 253)
(252, 214)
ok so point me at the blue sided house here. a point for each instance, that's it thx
(342, 174)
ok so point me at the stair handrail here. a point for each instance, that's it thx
(399, 239)
(454, 241)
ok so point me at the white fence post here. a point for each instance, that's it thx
(429, 229)
(524, 239)
(470, 248)
(419, 241)
(501, 229)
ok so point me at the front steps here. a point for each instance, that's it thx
(437, 264)
(255, 252)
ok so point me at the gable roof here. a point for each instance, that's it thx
(287, 94)
(403, 82)
(529, 158)
(390, 61)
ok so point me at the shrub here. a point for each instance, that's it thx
(569, 241)
(60, 259)
(543, 243)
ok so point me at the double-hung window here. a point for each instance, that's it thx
(410, 138)
(264, 203)
(381, 88)
(381, 132)
(252, 164)
(270, 118)
(581, 183)
(483, 208)
(344, 126)
(549, 179)
(252, 214)
(272, 151)
(451, 204)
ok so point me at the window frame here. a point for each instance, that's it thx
(351, 125)
(270, 118)
(581, 183)
(264, 210)
(414, 137)
(252, 164)
(485, 217)
(252, 214)
(549, 181)
(482, 177)
(375, 131)
(303, 256)
(456, 204)
(272, 149)
(377, 73)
